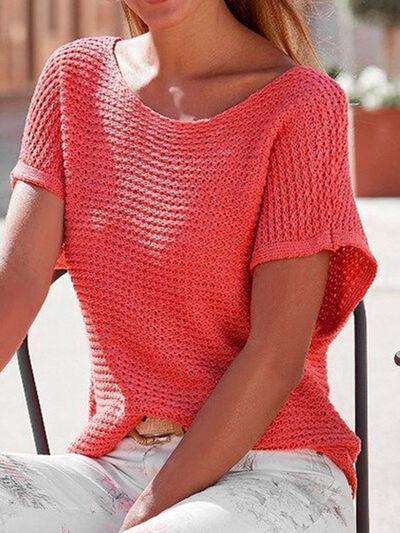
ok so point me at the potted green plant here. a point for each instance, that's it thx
(374, 96)
(375, 119)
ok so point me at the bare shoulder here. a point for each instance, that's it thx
(272, 62)
(267, 58)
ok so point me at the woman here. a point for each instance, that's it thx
(194, 179)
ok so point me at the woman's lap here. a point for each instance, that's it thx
(312, 497)
(274, 491)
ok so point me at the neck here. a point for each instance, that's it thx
(202, 41)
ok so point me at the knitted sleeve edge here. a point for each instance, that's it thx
(333, 240)
(34, 176)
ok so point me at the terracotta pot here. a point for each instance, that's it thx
(376, 151)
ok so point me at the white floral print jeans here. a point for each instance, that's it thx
(269, 491)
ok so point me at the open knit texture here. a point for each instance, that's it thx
(165, 222)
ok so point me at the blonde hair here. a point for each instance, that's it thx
(278, 20)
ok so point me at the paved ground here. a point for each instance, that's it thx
(60, 357)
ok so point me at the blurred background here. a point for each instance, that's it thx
(359, 44)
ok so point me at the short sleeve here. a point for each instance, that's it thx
(40, 160)
(308, 203)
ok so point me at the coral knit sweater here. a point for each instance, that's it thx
(165, 221)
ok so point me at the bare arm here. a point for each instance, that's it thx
(286, 297)
(29, 249)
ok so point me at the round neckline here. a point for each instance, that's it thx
(231, 110)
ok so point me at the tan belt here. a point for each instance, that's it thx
(153, 430)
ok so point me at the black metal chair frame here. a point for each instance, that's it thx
(361, 406)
